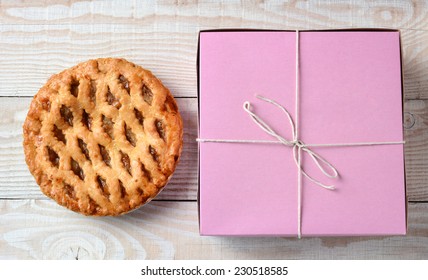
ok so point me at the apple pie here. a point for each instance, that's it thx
(103, 137)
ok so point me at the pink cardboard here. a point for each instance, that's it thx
(350, 91)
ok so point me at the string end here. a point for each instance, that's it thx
(247, 105)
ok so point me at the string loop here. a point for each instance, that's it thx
(298, 145)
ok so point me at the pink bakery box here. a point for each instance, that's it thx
(350, 91)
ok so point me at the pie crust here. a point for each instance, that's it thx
(103, 137)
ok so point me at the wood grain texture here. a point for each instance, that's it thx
(415, 63)
(416, 149)
(265, 14)
(38, 229)
(17, 182)
(30, 54)
(40, 38)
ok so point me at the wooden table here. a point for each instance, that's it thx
(39, 39)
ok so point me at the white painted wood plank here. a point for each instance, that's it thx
(29, 55)
(416, 149)
(17, 182)
(40, 39)
(40, 229)
(266, 14)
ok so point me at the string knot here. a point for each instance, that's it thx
(299, 144)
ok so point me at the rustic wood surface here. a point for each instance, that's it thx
(39, 38)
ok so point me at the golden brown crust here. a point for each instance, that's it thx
(103, 137)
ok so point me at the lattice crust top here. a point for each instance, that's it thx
(103, 137)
